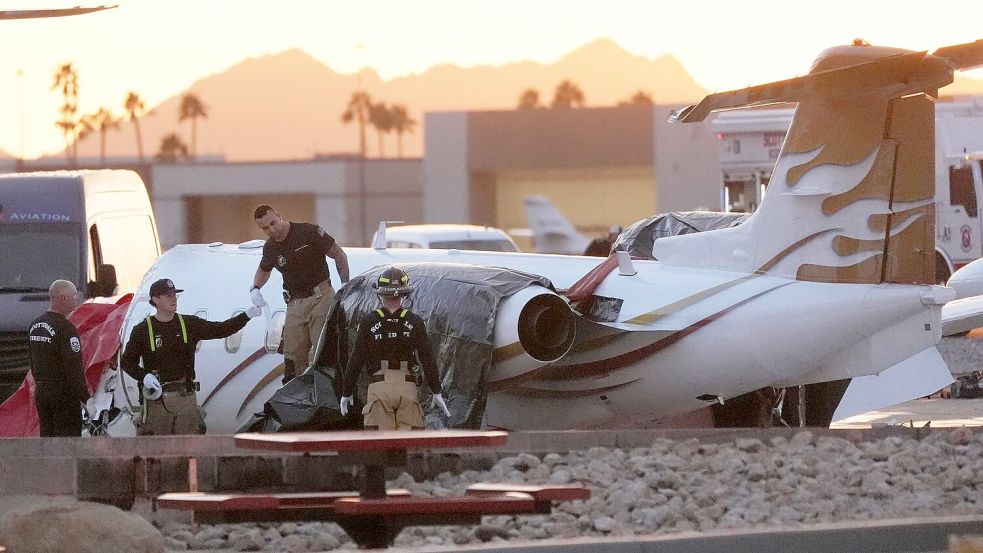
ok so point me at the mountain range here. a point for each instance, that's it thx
(289, 105)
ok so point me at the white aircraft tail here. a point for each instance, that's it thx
(852, 196)
(552, 232)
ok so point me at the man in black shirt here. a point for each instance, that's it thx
(166, 343)
(389, 341)
(298, 251)
(56, 363)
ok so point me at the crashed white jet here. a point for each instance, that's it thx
(831, 278)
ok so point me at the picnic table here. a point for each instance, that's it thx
(374, 515)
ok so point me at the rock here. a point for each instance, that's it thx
(294, 544)
(486, 533)
(175, 545)
(79, 527)
(561, 476)
(604, 524)
(555, 459)
(248, 540)
(325, 542)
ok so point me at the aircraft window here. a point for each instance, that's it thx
(201, 314)
(275, 330)
(961, 191)
(232, 343)
(398, 244)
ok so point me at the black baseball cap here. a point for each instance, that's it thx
(163, 286)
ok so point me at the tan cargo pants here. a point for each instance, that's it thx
(175, 412)
(393, 403)
(302, 327)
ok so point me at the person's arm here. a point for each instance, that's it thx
(355, 361)
(72, 358)
(340, 261)
(200, 329)
(261, 277)
(135, 348)
(424, 352)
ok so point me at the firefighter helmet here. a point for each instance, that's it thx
(393, 282)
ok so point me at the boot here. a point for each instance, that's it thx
(289, 372)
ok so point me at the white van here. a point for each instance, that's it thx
(448, 237)
(94, 228)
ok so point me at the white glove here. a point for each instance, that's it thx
(254, 311)
(439, 400)
(151, 387)
(91, 408)
(346, 401)
(258, 299)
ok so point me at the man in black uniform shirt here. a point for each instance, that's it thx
(389, 341)
(166, 342)
(297, 250)
(56, 363)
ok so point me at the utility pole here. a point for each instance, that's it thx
(362, 223)
(20, 88)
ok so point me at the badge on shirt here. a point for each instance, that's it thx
(74, 342)
(281, 261)
(158, 341)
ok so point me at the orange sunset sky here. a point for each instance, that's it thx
(160, 47)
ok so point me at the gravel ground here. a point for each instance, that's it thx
(675, 486)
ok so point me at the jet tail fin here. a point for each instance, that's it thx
(851, 197)
(552, 232)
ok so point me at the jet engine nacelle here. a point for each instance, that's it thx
(968, 281)
(533, 327)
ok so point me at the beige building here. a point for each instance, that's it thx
(214, 202)
(599, 166)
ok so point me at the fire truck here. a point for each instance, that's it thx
(750, 141)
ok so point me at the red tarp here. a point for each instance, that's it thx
(98, 325)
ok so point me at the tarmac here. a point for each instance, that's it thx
(933, 412)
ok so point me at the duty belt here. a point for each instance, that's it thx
(305, 292)
(381, 377)
(177, 386)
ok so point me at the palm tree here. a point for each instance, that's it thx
(567, 95)
(192, 108)
(102, 121)
(402, 122)
(66, 80)
(358, 110)
(172, 148)
(134, 109)
(381, 118)
(640, 98)
(529, 99)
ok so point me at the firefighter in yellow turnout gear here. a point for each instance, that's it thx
(390, 341)
(161, 354)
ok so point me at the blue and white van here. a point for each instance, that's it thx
(93, 228)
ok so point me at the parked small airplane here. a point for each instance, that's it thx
(828, 280)
(551, 231)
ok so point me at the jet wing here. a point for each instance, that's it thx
(962, 315)
(36, 14)
(919, 375)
